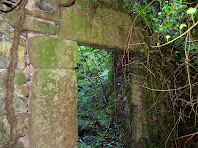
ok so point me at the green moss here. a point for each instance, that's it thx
(104, 28)
(39, 26)
(46, 15)
(44, 27)
(19, 78)
(3, 131)
(43, 15)
(48, 52)
(4, 135)
(11, 17)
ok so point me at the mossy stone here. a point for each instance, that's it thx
(106, 28)
(43, 15)
(11, 17)
(46, 5)
(36, 25)
(20, 78)
(4, 129)
(49, 52)
(5, 54)
(53, 109)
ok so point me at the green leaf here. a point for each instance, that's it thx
(191, 10)
(167, 11)
(182, 26)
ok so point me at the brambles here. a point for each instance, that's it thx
(172, 62)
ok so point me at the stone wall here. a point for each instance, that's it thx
(45, 82)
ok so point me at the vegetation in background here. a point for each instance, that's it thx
(172, 63)
(96, 99)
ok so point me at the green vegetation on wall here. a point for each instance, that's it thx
(172, 64)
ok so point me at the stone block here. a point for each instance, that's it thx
(49, 52)
(31, 24)
(4, 129)
(43, 15)
(46, 5)
(2, 79)
(2, 101)
(36, 25)
(53, 109)
(5, 33)
(19, 104)
(4, 62)
(116, 4)
(11, 17)
(20, 78)
(5, 53)
(20, 145)
(21, 91)
(103, 28)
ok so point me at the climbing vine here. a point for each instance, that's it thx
(14, 136)
(171, 60)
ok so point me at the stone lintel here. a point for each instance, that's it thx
(103, 27)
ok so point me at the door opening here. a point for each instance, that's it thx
(103, 99)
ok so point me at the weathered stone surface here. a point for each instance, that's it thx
(4, 129)
(138, 94)
(4, 55)
(48, 52)
(21, 90)
(2, 102)
(33, 24)
(5, 34)
(43, 15)
(4, 62)
(2, 79)
(20, 78)
(53, 108)
(106, 28)
(116, 4)
(11, 17)
(19, 104)
(19, 145)
(46, 5)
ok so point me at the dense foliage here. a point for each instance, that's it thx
(96, 102)
(172, 60)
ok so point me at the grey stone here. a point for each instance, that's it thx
(4, 62)
(2, 79)
(19, 104)
(46, 5)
